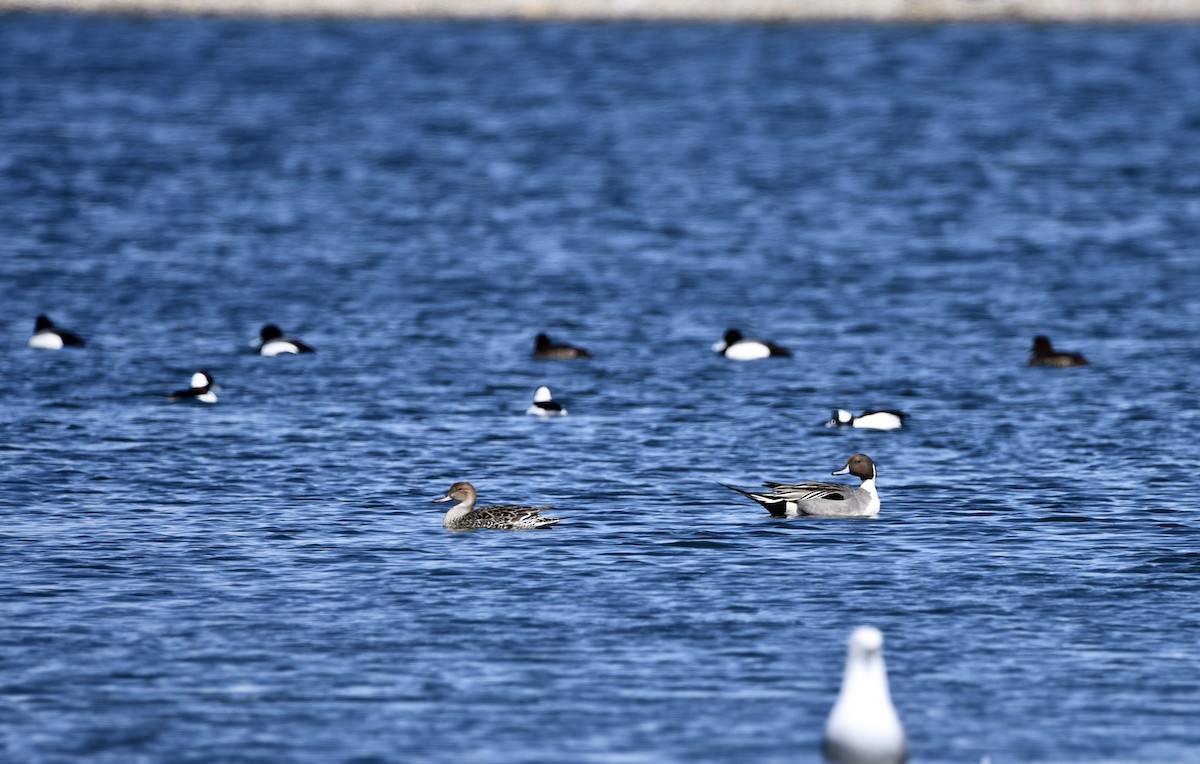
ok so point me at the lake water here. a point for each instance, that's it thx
(905, 207)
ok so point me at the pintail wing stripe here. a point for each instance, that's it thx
(807, 491)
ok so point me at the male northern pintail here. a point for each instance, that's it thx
(546, 350)
(1044, 354)
(202, 389)
(868, 420)
(47, 336)
(503, 517)
(823, 499)
(740, 348)
(544, 404)
(273, 342)
(863, 726)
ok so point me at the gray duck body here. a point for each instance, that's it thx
(822, 499)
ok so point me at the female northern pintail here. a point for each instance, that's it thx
(823, 499)
(868, 420)
(47, 336)
(544, 404)
(1044, 354)
(202, 389)
(740, 348)
(546, 350)
(863, 726)
(503, 517)
(273, 342)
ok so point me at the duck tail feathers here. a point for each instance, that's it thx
(773, 504)
(734, 488)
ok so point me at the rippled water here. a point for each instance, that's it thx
(904, 207)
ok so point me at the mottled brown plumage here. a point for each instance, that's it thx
(504, 517)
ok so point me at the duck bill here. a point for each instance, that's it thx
(843, 471)
(444, 498)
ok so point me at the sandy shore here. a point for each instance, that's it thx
(700, 10)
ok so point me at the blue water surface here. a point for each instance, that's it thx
(905, 207)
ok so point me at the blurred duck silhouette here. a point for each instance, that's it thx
(545, 349)
(544, 404)
(863, 726)
(47, 336)
(202, 389)
(272, 342)
(1043, 354)
(738, 348)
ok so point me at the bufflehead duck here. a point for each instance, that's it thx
(544, 404)
(863, 726)
(823, 499)
(202, 389)
(46, 336)
(1044, 354)
(545, 350)
(868, 420)
(272, 342)
(740, 348)
(504, 517)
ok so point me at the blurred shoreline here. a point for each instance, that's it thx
(678, 10)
